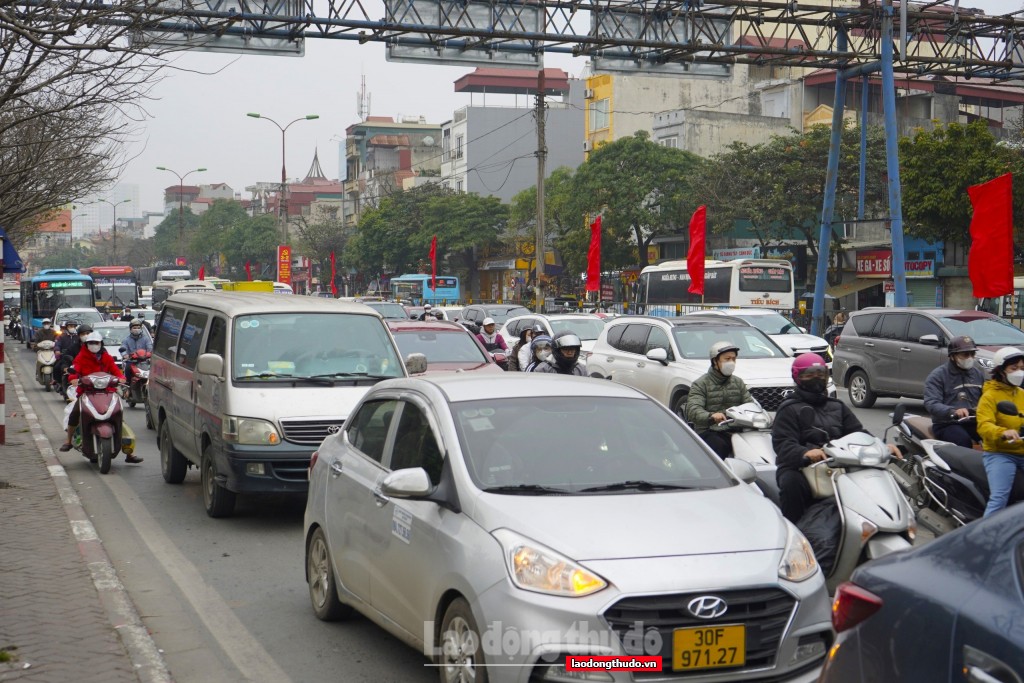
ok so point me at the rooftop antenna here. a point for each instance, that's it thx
(363, 101)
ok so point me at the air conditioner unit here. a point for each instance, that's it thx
(588, 94)
(587, 146)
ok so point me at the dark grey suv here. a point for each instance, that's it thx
(890, 351)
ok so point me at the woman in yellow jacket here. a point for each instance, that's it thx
(1000, 434)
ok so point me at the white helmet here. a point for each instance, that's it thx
(1005, 355)
(426, 307)
(94, 337)
(488, 321)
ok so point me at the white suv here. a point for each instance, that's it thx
(781, 329)
(664, 356)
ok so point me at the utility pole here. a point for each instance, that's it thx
(542, 152)
(181, 204)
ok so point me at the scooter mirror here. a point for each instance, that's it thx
(1008, 408)
(898, 413)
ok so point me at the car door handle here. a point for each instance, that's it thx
(905, 349)
(871, 344)
(975, 674)
(335, 468)
(382, 500)
(981, 667)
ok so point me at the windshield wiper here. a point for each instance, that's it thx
(343, 375)
(640, 485)
(266, 375)
(526, 489)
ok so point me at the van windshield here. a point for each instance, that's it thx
(279, 346)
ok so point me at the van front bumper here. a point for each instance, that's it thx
(283, 468)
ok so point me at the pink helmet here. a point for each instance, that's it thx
(805, 361)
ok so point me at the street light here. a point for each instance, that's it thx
(283, 203)
(113, 205)
(181, 201)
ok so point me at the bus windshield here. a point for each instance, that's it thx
(45, 302)
(118, 294)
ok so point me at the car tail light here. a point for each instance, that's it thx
(852, 605)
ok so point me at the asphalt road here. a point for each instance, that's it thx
(226, 599)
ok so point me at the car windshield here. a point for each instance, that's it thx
(694, 341)
(985, 331)
(87, 316)
(449, 346)
(588, 443)
(500, 315)
(771, 323)
(391, 311)
(587, 329)
(112, 336)
(287, 345)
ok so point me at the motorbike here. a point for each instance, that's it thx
(946, 482)
(500, 358)
(752, 443)
(136, 370)
(874, 517)
(14, 329)
(46, 358)
(101, 432)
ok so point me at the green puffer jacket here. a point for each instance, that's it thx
(714, 393)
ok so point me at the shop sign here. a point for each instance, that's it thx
(921, 269)
(736, 253)
(874, 263)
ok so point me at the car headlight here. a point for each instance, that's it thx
(248, 431)
(535, 567)
(798, 561)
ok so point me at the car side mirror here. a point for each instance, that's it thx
(412, 482)
(803, 330)
(742, 469)
(929, 339)
(210, 364)
(660, 355)
(416, 363)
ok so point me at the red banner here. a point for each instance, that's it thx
(990, 261)
(334, 272)
(284, 264)
(248, 271)
(433, 263)
(695, 257)
(594, 257)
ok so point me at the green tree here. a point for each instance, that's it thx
(254, 240)
(641, 189)
(321, 234)
(937, 167)
(209, 239)
(463, 224)
(66, 256)
(165, 236)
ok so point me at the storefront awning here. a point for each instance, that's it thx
(853, 286)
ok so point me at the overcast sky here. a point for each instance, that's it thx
(200, 120)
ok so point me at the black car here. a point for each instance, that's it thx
(949, 611)
(472, 316)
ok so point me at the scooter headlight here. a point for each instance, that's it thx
(101, 382)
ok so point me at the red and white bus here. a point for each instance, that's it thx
(117, 287)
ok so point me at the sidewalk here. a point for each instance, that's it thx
(64, 614)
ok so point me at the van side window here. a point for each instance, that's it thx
(192, 339)
(217, 343)
(864, 323)
(920, 326)
(367, 430)
(893, 326)
(167, 334)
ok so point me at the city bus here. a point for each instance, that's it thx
(663, 289)
(415, 289)
(44, 293)
(117, 287)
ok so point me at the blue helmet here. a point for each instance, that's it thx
(540, 340)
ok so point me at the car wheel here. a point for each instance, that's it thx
(218, 500)
(172, 463)
(859, 387)
(323, 590)
(679, 405)
(461, 658)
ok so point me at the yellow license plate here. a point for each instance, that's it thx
(709, 647)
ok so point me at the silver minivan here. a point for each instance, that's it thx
(245, 386)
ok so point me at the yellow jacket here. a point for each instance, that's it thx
(992, 423)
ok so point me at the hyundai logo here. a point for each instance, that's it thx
(707, 607)
(334, 429)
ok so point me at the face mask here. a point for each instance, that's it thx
(727, 368)
(544, 355)
(815, 386)
(46, 327)
(1015, 378)
(965, 363)
(72, 330)
(95, 348)
(136, 333)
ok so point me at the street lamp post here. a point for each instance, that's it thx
(113, 205)
(181, 201)
(283, 201)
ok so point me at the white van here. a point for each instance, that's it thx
(283, 288)
(245, 386)
(165, 288)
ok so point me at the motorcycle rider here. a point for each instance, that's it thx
(952, 391)
(797, 441)
(426, 314)
(137, 339)
(126, 315)
(68, 337)
(490, 338)
(75, 343)
(47, 333)
(519, 356)
(564, 359)
(712, 394)
(1004, 448)
(92, 358)
(540, 349)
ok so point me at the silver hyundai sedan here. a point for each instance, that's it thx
(501, 523)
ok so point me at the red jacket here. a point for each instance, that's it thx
(86, 363)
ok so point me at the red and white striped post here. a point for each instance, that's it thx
(3, 371)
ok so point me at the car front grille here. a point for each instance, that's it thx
(309, 432)
(764, 612)
(770, 398)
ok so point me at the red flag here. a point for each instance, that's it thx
(202, 272)
(433, 263)
(990, 262)
(248, 271)
(594, 257)
(695, 257)
(334, 285)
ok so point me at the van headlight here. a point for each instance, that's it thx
(798, 561)
(248, 431)
(535, 567)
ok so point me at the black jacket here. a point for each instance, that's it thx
(949, 388)
(792, 437)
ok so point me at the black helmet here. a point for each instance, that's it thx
(84, 328)
(961, 344)
(70, 321)
(538, 329)
(566, 339)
